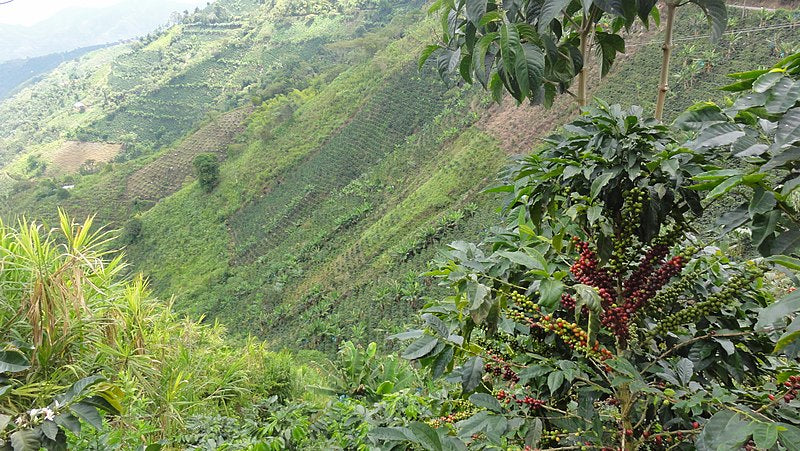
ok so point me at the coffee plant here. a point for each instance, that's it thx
(30, 429)
(761, 130)
(598, 319)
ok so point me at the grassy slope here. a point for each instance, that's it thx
(325, 215)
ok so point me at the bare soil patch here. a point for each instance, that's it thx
(73, 154)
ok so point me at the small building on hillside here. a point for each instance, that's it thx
(80, 107)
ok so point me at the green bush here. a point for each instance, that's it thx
(206, 167)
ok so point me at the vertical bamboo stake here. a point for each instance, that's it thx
(663, 87)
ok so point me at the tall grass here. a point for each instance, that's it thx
(64, 304)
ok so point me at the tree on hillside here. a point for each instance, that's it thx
(535, 49)
(206, 168)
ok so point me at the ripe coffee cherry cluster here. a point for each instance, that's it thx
(567, 301)
(651, 275)
(713, 303)
(501, 369)
(640, 288)
(639, 277)
(527, 401)
(572, 334)
(792, 386)
(587, 271)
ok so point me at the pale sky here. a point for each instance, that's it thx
(28, 12)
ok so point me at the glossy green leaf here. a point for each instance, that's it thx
(554, 381)
(442, 361)
(600, 182)
(767, 81)
(789, 435)
(787, 305)
(718, 135)
(717, 15)
(426, 54)
(788, 128)
(785, 340)
(725, 187)
(13, 362)
(765, 435)
(25, 440)
(436, 324)
(88, 414)
(725, 430)
(79, 387)
(49, 429)
(550, 290)
(420, 348)
(396, 434)
(486, 401)
(785, 261)
(471, 373)
(550, 10)
(787, 243)
(427, 436)
(761, 202)
(475, 10)
(68, 421)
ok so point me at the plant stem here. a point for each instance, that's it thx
(694, 340)
(582, 79)
(626, 405)
(667, 49)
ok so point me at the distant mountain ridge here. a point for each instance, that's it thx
(85, 27)
(14, 73)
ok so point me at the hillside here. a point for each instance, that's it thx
(14, 73)
(343, 168)
(85, 27)
(321, 244)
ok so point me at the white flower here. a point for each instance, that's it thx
(34, 412)
(20, 420)
(48, 414)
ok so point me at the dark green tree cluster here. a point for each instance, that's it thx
(206, 168)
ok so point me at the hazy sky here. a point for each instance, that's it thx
(28, 12)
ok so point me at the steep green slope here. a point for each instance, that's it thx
(338, 192)
(310, 259)
(147, 95)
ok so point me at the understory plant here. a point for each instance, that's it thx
(78, 339)
(597, 319)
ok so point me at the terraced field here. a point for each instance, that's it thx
(166, 174)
